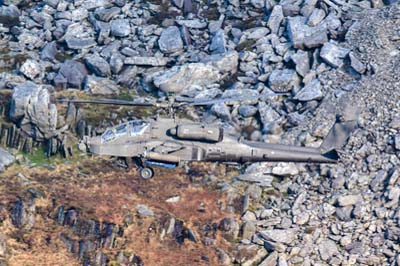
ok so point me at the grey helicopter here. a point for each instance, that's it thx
(171, 142)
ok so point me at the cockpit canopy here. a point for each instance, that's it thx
(131, 128)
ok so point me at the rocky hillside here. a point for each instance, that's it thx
(321, 60)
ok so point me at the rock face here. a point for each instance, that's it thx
(31, 108)
(179, 78)
(6, 159)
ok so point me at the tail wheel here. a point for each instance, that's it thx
(146, 173)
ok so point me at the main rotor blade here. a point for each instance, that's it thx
(230, 100)
(115, 102)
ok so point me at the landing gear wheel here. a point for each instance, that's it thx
(146, 173)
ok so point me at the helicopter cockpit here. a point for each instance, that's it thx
(131, 128)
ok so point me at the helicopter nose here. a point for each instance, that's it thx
(172, 131)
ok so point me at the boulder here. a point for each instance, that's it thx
(333, 54)
(226, 63)
(285, 236)
(312, 91)
(106, 14)
(218, 42)
(77, 43)
(283, 80)
(9, 15)
(71, 74)
(98, 65)
(120, 27)
(303, 36)
(30, 107)
(275, 19)
(31, 69)
(6, 159)
(170, 40)
(100, 86)
(49, 52)
(229, 228)
(182, 77)
(146, 61)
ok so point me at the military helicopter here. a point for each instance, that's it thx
(172, 142)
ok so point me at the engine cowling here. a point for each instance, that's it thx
(198, 132)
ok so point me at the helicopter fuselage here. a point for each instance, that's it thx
(168, 141)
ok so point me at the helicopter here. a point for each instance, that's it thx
(172, 142)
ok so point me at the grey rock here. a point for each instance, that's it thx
(6, 159)
(333, 54)
(301, 35)
(144, 210)
(254, 192)
(106, 14)
(271, 260)
(275, 19)
(9, 15)
(49, 52)
(397, 142)
(192, 23)
(229, 228)
(356, 64)
(223, 258)
(30, 106)
(100, 86)
(327, 249)
(120, 27)
(378, 180)
(170, 40)
(301, 218)
(312, 91)
(116, 63)
(98, 65)
(269, 118)
(285, 169)
(302, 61)
(316, 17)
(250, 255)
(146, 61)
(72, 74)
(80, 43)
(221, 110)
(283, 80)
(218, 42)
(23, 214)
(248, 229)
(249, 216)
(247, 110)
(278, 235)
(258, 3)
(257, 33)
(182, 77)
(178, 3)
(226, 63)
(31, 69)
(349, 200)
(93, 4)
